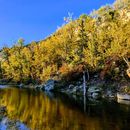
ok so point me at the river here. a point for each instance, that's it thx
(35, 110)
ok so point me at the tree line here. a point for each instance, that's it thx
(99, 42)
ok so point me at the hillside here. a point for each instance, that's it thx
(98, 44)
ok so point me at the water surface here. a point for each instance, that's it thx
(33, 110)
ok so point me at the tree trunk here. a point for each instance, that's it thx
(84, 103)
(84, 83)
(128, 64)
(126, 61)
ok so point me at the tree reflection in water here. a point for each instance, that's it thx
(39, 112)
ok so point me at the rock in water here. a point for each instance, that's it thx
(109, 94)
(123, 96)
(21, 85)
(126, 102)
(94, 92)
(49, 85)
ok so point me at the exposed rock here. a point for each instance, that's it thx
(94, 92)
(71, 86)
(39, 87)
(126, 102)
(94, 89)
(21, 85)
(95, 76)
(80, 90)
(49, 85)
(123, 96)
(73, 90)
(79, 83)
(109, 94)
(95, 95)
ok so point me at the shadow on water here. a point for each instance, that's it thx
(53, 111)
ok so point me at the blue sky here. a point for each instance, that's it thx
(33, 20)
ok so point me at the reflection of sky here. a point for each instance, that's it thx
(36, 19)
(5, 124)
(21, 126)
(3, 86)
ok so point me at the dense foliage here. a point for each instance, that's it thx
(97, 43)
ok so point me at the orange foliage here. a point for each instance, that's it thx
(70, 74)
(108, 64)
(64, 69)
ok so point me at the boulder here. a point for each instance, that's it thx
(73, 90)
(94, 92)
(109, 94)
(21, 85)
(79, 90)
(126, 102)
(95, 95)
(39, 87)
(49, 85)
(71, 86)
(123, 96)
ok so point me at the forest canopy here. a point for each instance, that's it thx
(99, 42)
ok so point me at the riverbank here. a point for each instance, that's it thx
(96, 88)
